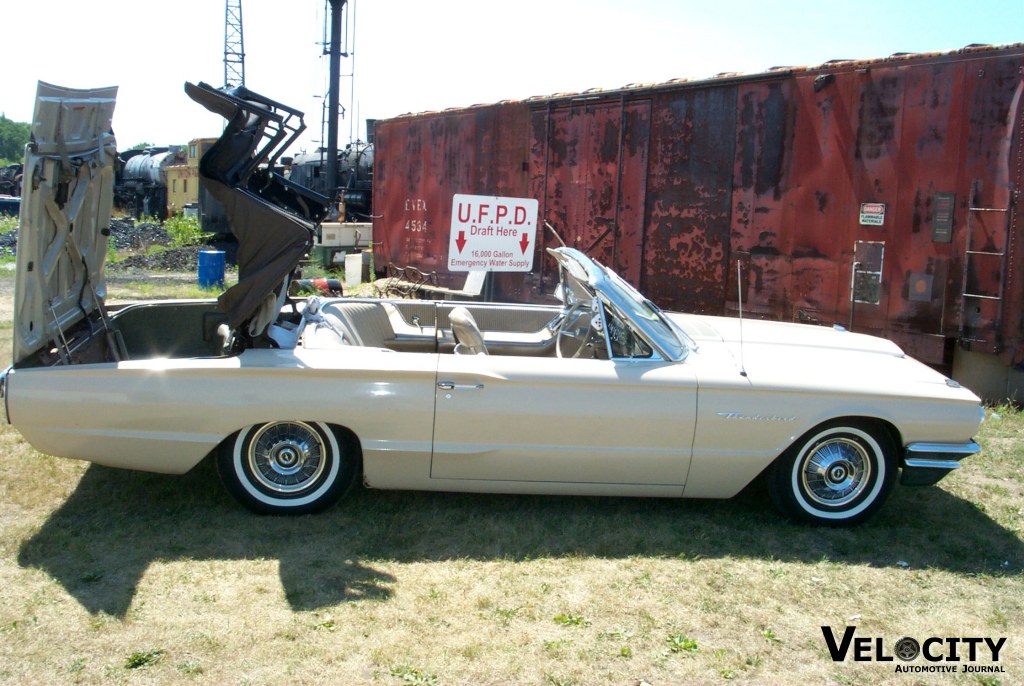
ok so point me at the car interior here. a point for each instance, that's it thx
(197, 328)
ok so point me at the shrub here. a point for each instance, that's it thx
(185, 231)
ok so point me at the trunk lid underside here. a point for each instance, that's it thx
(64, 222)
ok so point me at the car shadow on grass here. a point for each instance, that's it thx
(100, 541)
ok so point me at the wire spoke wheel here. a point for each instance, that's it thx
(837, 474)
(290, 466)
(287, 457)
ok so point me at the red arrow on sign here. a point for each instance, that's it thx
(461, 240)
(523, 242)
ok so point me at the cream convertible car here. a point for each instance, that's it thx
(604, 394)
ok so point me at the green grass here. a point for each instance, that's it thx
(318, 271)
(122, 577)
(391, 587)
(8, 224)
(123, 288)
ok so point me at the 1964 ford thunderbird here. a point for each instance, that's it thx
(600, 394)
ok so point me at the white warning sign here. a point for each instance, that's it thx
(872, 213)
(492, 234)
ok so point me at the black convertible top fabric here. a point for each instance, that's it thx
(271, 239)
(270, 243)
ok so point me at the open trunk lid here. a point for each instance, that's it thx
(64, 222)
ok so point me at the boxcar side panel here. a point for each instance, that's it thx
(676, 184)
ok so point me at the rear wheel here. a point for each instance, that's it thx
(288, 467)
(839, 474)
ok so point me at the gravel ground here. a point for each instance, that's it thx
(9, 243)
(125, 234)
(172, 259)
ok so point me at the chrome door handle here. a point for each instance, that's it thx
(452, 386)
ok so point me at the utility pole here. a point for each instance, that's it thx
(333, 100)
(234, 45)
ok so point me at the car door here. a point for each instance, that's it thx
(532, 419)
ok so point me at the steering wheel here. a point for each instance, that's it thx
(572, 316)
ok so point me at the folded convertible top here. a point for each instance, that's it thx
(272, 218)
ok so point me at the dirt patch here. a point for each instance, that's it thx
(7, 295)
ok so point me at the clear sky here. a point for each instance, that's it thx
(414, 56)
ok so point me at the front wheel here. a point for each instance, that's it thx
(288, 467)
(838, 474)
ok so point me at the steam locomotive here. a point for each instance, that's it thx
(355, 178)
(140, 186)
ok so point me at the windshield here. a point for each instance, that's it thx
(643, 315)
(639, 309)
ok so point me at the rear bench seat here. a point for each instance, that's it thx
(363, 324)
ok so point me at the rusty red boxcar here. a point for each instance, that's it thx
(882, 195)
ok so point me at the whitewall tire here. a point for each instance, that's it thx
(289, 467)
(838, 474)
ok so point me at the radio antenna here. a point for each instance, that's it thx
(550, 228)
(739, 298)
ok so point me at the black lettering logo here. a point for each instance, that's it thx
(947, 652)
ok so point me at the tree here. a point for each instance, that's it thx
(141, 146)
(13, 137)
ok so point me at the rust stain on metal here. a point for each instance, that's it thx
(671, 184)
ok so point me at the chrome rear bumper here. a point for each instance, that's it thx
(6, 418)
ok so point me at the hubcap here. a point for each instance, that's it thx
(836, 472)
(287, 457)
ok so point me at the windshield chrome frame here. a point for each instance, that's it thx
(655, 355)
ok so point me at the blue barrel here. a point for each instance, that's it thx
(211, 268)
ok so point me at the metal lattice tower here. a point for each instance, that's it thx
(234, 45)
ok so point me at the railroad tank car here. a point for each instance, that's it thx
(141, 185)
